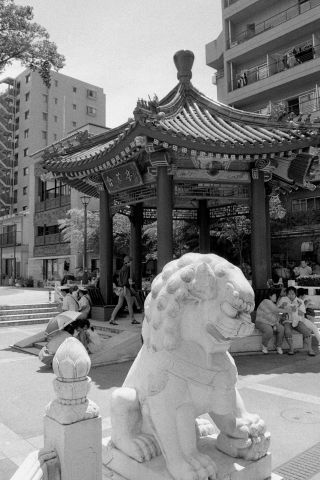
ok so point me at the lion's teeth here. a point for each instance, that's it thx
(229, 309)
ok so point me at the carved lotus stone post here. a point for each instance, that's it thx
(72, 424)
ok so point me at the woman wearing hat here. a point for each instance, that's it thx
(68, 302)
(84, 303)
(61, 327)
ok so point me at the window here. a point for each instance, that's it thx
(56, 83)
(56, 101)
(16, 156)
(74, 124)
(44, 135)
(15, 210)
(308, 102)
(44, 116)
(27, 96)
(15, 178)
(24, 208)
(26, 115)
(55, 136)
(25, 152)
(28, 78)
(15, 196)
(16, 141)
(74, 106)
(45, 97)
(91, 111)
(55, 118)
(91, 94)
(26, 133)
(25, 171)
(40, 231)
(25, 190)
(74, 89)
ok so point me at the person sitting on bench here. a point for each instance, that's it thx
(268, 322)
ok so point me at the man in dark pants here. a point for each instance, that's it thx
(124, 292)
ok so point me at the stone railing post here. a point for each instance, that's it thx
(72, 425)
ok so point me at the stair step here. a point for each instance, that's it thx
(28, 313)
(24, 316)
(29, 306)
(28, 310)
(29, 321)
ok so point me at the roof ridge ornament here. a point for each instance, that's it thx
(183, 60)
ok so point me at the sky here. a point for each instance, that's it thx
(127, 46)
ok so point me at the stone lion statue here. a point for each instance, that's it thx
(196, 306)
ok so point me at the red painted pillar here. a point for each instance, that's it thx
(260, 232)
(106, 247)
(204, 226)
(164, 217)
(136, 223)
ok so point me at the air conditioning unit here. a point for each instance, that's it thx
(214, 79)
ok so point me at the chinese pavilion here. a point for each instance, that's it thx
(182, 157)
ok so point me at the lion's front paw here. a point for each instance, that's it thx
(251, 448)
(142, 447)
(198, 467)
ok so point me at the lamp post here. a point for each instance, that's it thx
(85, 202)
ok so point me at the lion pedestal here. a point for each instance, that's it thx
(197, 305)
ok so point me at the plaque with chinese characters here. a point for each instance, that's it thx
(122, 177)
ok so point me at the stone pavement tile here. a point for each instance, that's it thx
(7, 469)
(17, 448)
(7, 436)
(36, 442)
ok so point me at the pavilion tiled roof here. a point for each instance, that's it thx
(188, 121)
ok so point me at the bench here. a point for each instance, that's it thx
(252, 343)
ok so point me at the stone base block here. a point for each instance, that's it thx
(102, 313)
(252, 343)
(228, 468)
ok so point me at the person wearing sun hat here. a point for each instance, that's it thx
(84, 303)
(68, 302)
(58, 330)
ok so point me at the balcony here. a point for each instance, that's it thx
(10, 239)
(51, 203)
(305, 220)
(51, 239)
(257, 28)
(280, 62)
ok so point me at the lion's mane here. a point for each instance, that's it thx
(189, 280)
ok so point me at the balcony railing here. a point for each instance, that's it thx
(10, 239)
(296, 219)
(51, 239)
(50, 203)
(294, 56)
(271, 22)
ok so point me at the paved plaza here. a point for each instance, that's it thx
(284, 390)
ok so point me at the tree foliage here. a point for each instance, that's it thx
(72, 229)
(236, 230)
(26, 41)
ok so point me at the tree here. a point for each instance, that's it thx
(72, 229)
(235, 230)
(26, 41)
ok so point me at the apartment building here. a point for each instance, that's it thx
(33, 116)
(267, 60)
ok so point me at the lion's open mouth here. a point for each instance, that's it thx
(233, 321)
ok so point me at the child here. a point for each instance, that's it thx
(295, 309)
(88, 337)
(267, 321)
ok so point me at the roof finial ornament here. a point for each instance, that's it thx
(183, 61)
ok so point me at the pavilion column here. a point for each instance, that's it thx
(136, 223)
(106, 247)
(268, 235)
(204, 226)
(164, 217)
(260, 249)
